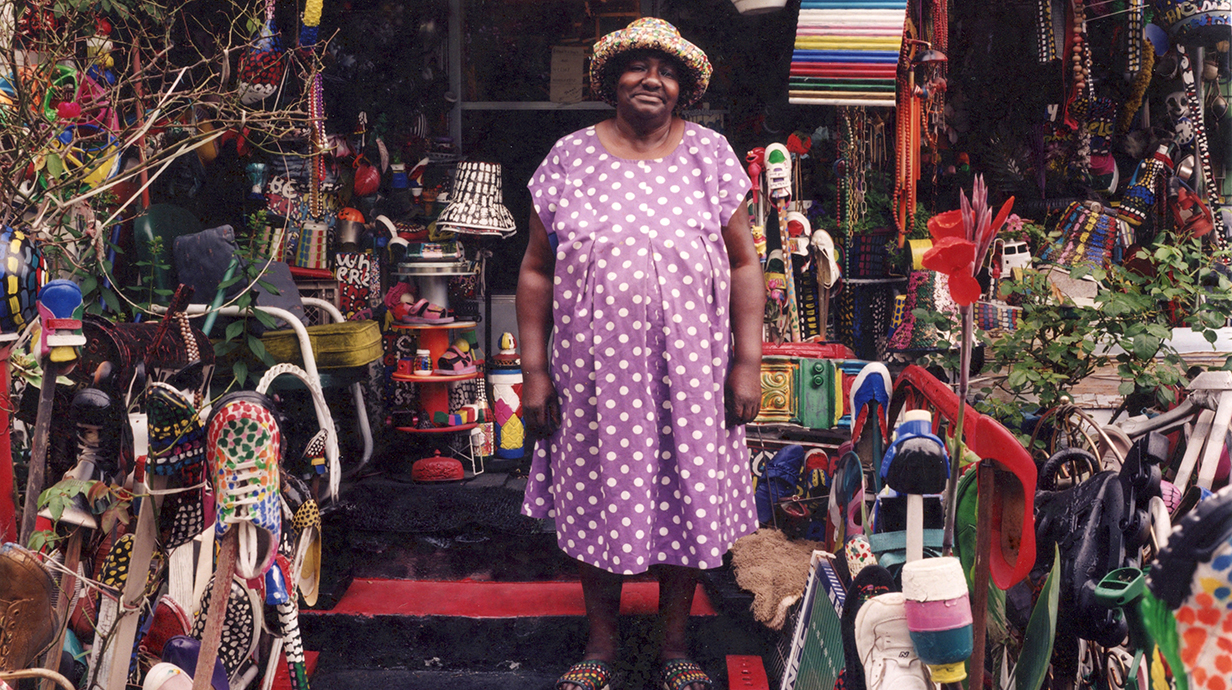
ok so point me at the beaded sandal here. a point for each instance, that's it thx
(592, 674)
(678, 674)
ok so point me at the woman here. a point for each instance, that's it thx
(640, 256)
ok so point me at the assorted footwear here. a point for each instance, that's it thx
(244, 450)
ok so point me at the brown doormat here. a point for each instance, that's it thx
(775, 569)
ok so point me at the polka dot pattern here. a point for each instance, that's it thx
(642, 470)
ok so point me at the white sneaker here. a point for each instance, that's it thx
(884, 643)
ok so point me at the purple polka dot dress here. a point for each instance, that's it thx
(643, 469)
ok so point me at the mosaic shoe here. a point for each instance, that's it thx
(27, 618)
(303, 541)
(1193, 576)
(60, 310)
(183, 650)
(241, 628)
(177, 436)
(182, 515)
(243, 449)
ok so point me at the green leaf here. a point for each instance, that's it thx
(1125, 388)
(239, 371)
(110, 299)
(269, 287)
(1041, 631)
(234, 329)
(257, 347)
(89, 284)
(266, 320)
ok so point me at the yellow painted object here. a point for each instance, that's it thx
(918, 248)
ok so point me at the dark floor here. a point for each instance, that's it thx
(387, 527)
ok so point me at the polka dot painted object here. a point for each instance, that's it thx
(643, 469)
(23, 274)
(243, 450)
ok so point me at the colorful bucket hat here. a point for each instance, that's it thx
(648, 33)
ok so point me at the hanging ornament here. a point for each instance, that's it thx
(262, 65)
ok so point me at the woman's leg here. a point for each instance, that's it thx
(601, 591)
(676, 587)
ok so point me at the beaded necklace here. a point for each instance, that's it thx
(316, 112)
(1046, 42)
(1188, 76)
(907, 132)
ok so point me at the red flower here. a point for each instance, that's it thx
(964, 288)
(797, 146)
(948, 224)
(949, 255)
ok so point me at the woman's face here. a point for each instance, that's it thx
(649, 86)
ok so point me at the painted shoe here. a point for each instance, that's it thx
(302, 543)
(884, 644)
(165, 676)
(916, 462)
(241, 628)
(60, 310)
(869, 582)
(778, 481)
(872, 385)
(97, 417)
(847, 497)
(244, 449)
(177, 436)
(183, 650)
(28, 622)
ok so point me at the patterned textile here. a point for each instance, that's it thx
(643, 469)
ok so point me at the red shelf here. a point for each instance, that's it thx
(412, 378)
(456, 325)
(436, 429)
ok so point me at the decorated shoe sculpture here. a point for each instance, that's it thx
(244, 449)
(884, 643)
(263, 63)
(21, 264)
(27, 616)
(1193, 577)
(242, 625)
(97, 417)
(302, 543)
(60, 310)
(177, 436)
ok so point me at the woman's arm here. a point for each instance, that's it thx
(748, 302)
(540, 407)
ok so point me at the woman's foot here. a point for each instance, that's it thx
(588, 674)
(682, 674)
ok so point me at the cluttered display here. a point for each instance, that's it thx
(944, 266)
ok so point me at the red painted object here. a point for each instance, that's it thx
(475, 599)
(987, 438)
(746, 673)
(8, 511)
(282, 677)
(810, 350)
(437, 469)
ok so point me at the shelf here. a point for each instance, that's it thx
(535, 105)
(454, 325)
(434, 378)
(436, 429)
(425, 269)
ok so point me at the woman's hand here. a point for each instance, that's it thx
(540, 406)
(742, 394)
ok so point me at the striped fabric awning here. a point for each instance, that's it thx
(846, 52)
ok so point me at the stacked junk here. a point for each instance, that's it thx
(1103, 559)
(173, 541)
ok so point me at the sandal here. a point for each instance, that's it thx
(678, 674)
(456, 360)
(422, 311)
(592, 674)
